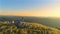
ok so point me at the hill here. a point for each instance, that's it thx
(27, 28)
(48, 21)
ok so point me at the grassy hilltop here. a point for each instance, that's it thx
(28, 25)
(32, 28)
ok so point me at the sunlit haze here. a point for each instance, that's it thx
(39, 8)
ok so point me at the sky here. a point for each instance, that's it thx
(44, 8)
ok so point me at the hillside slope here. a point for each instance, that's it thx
(27, 28)
(36, 28)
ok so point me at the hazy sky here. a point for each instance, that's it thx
(45, 8)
